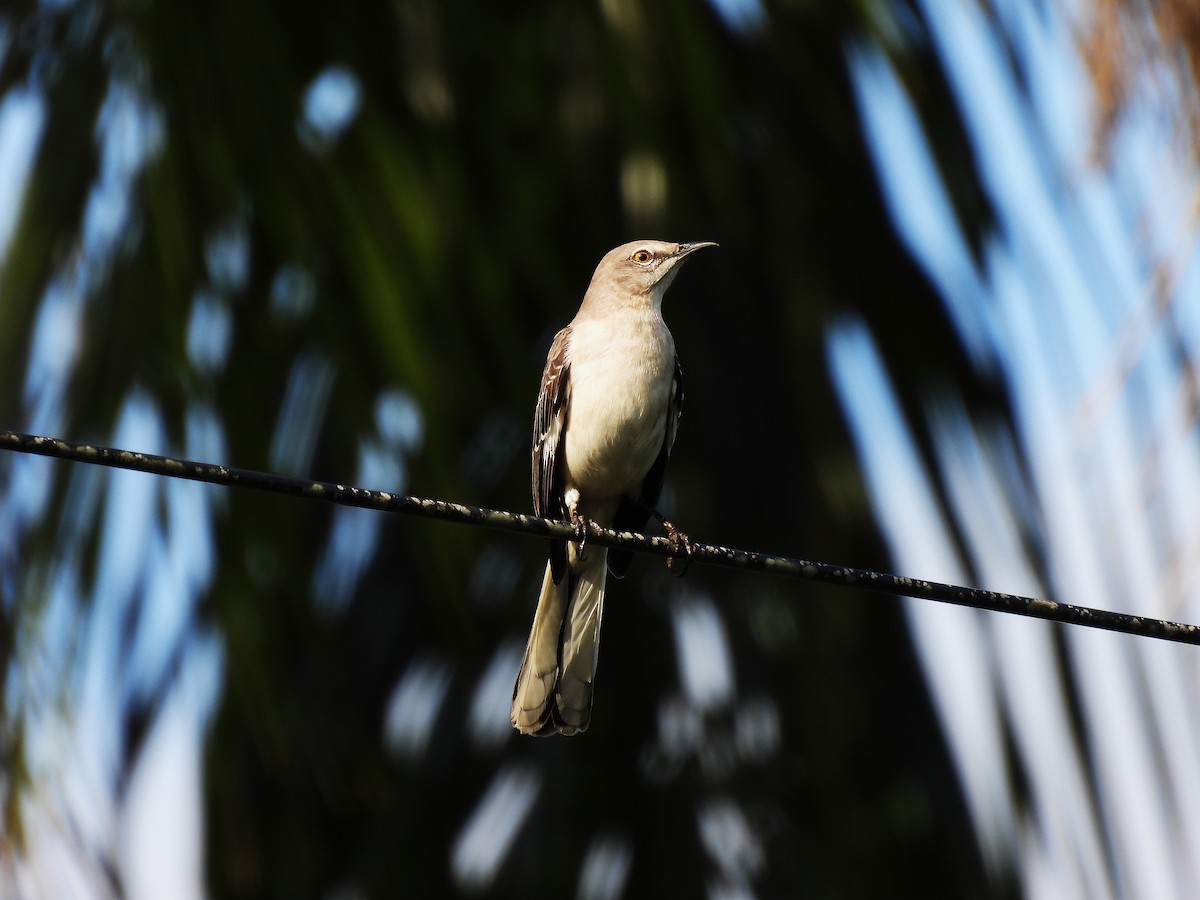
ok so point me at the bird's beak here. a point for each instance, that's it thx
(688, 249)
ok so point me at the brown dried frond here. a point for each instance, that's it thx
(1131, 44)
(1106, 55)
(1179, 25)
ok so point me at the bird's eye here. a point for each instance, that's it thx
(642, 257)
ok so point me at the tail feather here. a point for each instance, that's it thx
(533, 694)
(553, 693)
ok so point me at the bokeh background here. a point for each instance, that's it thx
(952, 331)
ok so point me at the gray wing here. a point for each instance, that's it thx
(549, 422)
(674, 414)
(632, 514)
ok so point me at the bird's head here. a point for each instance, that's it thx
(643, 268)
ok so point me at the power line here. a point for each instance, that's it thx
(708, 554)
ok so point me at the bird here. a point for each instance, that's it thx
(607, 412)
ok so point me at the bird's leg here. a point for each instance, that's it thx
(677, 564)
(579, 522)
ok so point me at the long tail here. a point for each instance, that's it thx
(553, 693)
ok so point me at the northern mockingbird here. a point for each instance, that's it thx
(606, 417)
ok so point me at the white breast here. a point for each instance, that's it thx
(621, 373)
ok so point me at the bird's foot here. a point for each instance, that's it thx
(582, 527)
(683, 544)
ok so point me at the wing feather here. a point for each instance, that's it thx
(549, 422)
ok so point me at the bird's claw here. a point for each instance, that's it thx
(581, 525)
(682, 543)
